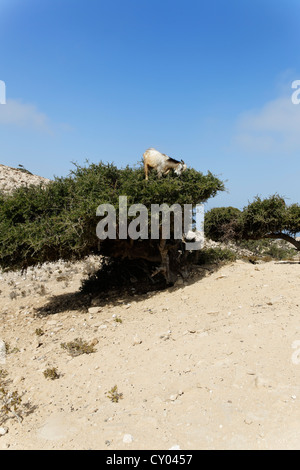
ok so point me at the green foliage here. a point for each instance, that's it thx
(263, 218)
(292, 221)
(58, 221)
(78, 347)
(276, 249)
(218, 219)
(215, 255)
(114, 395)
(39, 332)
(279, 252)
(51, 373)
(10, 402)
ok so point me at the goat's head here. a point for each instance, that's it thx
(180, 168)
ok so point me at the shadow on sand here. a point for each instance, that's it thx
(119, 284)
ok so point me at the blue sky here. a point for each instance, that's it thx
(205, 81)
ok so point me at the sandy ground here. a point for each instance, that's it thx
(211, 364)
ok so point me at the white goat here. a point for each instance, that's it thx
(161, 163)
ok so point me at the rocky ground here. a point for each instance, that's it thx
(212, 364)
(11, 178)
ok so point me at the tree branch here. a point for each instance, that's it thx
(284, 236)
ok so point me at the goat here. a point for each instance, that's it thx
(161, 163)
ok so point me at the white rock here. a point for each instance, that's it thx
(3, 431)
(136, 340)
(175, 447)
(174, 397)
(165, 335)
(2, 352)
(127, 438)
(94, 310)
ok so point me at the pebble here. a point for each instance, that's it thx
(93, 310)
(3, 431)
(136, 340)
(2, 352)
(174, 397)
(94, 342)
(127, 438)
(165, 335)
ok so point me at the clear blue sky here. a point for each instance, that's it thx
(205, 81)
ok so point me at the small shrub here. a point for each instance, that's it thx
(51, 373)
(39, 332)
(114, 395)
(276, 249)
(215, 255)
(78, 347)
(10, 350)
(280, 253)
(3, 375)
(10, 403)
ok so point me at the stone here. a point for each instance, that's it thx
(3, 431)
(2, 352)
(136, 340)
(127, 438)
(93, 310)
(174, 397)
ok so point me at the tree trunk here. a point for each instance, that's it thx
(284, 236)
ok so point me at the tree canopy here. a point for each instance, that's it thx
(263, 218)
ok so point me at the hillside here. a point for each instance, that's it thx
(11, 178)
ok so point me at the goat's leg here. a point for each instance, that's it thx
(146, 171)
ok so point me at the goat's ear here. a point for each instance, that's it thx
(182, 161)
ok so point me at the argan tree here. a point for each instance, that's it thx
(58, 220)
(269, 218)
